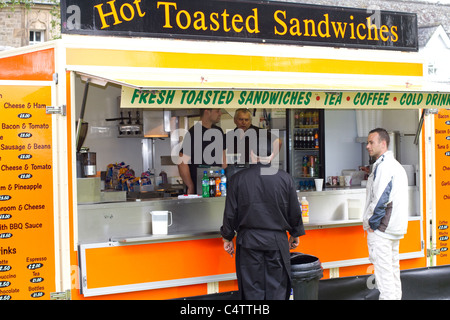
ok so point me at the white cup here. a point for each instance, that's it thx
(160, 221)
(348, 181)
(319, 184)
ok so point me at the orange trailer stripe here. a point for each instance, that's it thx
(125, 265)
(34, 66)
(347, 243)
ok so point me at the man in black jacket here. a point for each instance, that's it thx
(261, 206)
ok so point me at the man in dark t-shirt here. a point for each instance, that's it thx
(203, 145)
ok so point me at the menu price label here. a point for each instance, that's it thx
(442, 156)
(27, 252)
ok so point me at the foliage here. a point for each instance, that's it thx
(14, 3)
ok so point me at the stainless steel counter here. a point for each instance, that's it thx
(130, 222)
(102, 222)
(339, 207)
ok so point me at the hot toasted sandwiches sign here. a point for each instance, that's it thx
(251, 21)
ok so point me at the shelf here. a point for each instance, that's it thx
(311, 126)
(306, 177)
(166, 238)
(306, 149)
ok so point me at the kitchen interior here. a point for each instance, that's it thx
(108, 214)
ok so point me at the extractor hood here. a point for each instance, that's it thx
(156, 124)
(144, 123)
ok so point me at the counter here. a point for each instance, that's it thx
(331, 208)
(102, 222)
(117, 235)
(113, 235)
(130, 221)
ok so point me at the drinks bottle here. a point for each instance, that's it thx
(205, 185)
(305, 210)
(316, 139)
(217, 182)
(212, 185)
(223, 183)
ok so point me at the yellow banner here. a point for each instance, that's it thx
(134, 98)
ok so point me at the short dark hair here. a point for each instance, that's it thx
(202, 111)
(383, 135)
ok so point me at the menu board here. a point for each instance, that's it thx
(442, 156)
(27, 251)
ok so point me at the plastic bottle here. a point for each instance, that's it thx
(212, 185)
(315, 118)
(316, 139)
(302, 139)
(305, 210)
(217, 182)
(307, 120)
(316, 166)
(311, 166)
(205, 185)
(305, 165)
(301, 119)
(223, 183)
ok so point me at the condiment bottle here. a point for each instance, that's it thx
(305, 210)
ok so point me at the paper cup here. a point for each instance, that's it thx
(348, 181)
(319, 184)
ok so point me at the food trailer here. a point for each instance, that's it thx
(127, 77)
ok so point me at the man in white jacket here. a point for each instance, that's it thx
(386, 214)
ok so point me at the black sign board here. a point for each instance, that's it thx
(249, 21)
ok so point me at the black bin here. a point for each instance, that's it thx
(306, 271)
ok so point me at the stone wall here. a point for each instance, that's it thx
(16, 25)
(12, 28)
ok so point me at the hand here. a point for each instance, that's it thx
(228, 246)
(293, 242)
(190, 190)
